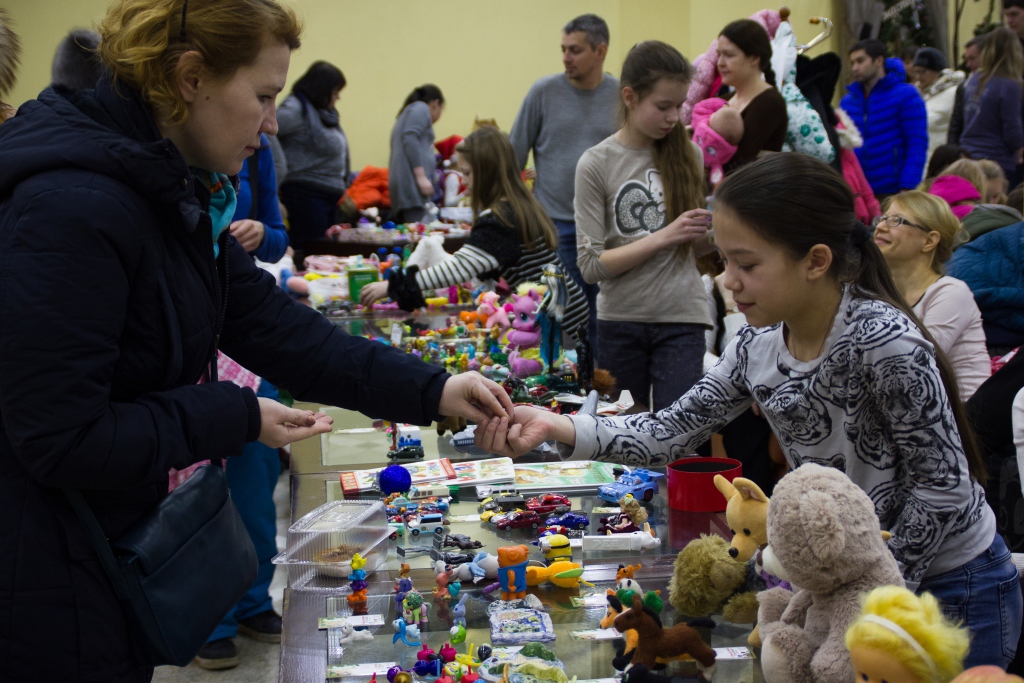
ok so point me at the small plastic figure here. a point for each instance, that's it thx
(459, 611)
(512, 571)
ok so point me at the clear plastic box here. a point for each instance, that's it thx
(320, 546)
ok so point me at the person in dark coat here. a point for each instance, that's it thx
(118, 283)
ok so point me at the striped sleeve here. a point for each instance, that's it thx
(468, 262)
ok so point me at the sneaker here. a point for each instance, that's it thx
(218, 655)
(264, 627)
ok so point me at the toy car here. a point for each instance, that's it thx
(519, 520)
(570, 520)
(407, 453)
(421, 491)
(549, 503)
(489, 504)
(511, 502)
(397, 529)
(642, 483)
(427, 524)
(485, 491)
(489, 515)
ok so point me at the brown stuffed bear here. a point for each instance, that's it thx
(824, 532)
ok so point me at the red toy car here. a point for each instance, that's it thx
(519, 520)
(549, 503)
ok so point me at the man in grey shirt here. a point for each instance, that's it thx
(563, 116)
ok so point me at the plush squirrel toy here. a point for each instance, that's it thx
(824, 532)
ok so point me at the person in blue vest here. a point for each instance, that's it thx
(892, 118)
(258, 227)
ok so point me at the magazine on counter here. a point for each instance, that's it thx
(490, 471)
(572, 476)
(423, 472)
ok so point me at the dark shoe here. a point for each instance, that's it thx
(264, 627)
(218, 655)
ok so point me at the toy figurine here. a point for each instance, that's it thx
(631, 518)
(397, 674)
(404, 632)
(556, 547)
(512, 571)
(654, 640)
(903, 638)
(441, 577)
(357, 599)
(563, 574)
(414, 607)
(459, 611)
(457, 634)
(524, 333)
(350, 635)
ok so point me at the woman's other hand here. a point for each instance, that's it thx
(530, 428)
(373, 291)
(281, 425)
(472, 396)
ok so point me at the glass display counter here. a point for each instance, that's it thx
(307, 651)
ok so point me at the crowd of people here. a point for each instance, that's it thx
(880, 277)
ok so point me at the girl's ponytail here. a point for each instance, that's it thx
(797, 201)
(425, 93)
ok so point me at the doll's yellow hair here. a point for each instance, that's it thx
(922, 619)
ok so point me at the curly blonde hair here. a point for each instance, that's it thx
(143, 40)
(921, 618)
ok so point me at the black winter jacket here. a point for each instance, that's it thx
(109, 304)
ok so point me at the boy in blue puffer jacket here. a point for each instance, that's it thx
(890, 115)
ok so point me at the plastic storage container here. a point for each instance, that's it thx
(327, 289)
(321, 545)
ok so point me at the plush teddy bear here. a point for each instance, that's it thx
(824, 532)
(706, 579)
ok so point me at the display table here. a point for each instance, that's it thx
(341, 247)
(306, 650)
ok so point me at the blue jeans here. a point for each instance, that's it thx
(567, 250)
(985, 596)
(667, 356)
(252, 477)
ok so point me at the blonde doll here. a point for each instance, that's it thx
(904, 638)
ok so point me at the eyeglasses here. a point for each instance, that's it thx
(895, 222)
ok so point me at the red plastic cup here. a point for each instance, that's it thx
(691, 483)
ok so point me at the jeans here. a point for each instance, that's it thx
(252, 477)
(567, 250)
(311, 210)
(667, 356)
(985, 596)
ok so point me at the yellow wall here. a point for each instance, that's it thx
(484, 54)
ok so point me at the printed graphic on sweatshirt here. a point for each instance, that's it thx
(640, 208)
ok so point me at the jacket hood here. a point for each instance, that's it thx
(948, 79)
(108, 131)
(895, 73)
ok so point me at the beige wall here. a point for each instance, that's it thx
(484, 54)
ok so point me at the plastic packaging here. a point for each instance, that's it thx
(326, 289)
(320, 546)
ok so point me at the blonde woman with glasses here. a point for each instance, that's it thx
(917, 234)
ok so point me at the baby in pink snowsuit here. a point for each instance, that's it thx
(717, 130)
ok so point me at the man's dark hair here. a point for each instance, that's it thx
(908, 52)
(591, 25)
(978, 41)
(874, 48)
(76, 64)
(319, 83)
(1007, 4)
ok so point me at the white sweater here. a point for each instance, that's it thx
(938, 100)
(872, 405)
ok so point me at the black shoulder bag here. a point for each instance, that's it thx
(194, 533)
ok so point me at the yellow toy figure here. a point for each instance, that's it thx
(562, 573)
(903, 638)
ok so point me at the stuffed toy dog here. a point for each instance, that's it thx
(824, 532)
(706, 579)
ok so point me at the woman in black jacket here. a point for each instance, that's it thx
(118, 282)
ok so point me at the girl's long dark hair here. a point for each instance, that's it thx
(319, 83)
(797, 201)
(753, 39)
(425, 93)
(497, 182)
(677, 160)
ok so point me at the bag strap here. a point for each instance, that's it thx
(99, 542)
(254, 184)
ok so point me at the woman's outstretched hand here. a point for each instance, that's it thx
(530, 428)
(472, 396)
(281, 425)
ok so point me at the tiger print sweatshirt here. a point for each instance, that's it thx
(619, 200)
(872, 405)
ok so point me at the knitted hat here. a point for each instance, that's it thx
(447, 146)
(930, 58)
(954, 190)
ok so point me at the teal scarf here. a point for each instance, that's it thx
(222, 202)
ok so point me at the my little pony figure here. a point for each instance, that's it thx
(524, 333)
(493, 313)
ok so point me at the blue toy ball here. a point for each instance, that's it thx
(389, 226)
(394, 479)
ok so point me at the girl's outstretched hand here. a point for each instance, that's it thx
(530, 428)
